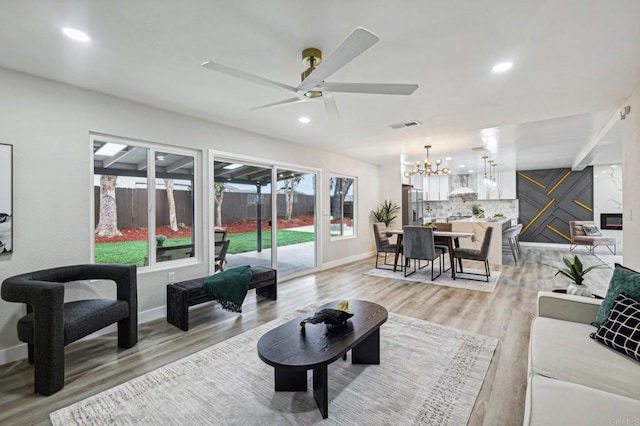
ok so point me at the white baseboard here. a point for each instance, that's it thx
(13, 353)
(19, 351)
(549, 245)
(345, 260)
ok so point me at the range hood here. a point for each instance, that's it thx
(463, 190)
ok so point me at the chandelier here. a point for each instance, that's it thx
(427, 168)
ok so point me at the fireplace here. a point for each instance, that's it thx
(611, 221)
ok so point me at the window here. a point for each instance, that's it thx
(143, 202)
(342, 203)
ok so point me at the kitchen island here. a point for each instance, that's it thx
(478, 227)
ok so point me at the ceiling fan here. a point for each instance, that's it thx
(313, 85)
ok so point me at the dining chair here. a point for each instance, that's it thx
(383, 244)
(418, 244)
(220, 234)
(442, 242)
(221, 248)
(479, 255)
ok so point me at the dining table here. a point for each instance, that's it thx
(451, 237)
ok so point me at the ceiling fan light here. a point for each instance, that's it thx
(313, 94)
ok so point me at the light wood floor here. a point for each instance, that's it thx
(97, 364)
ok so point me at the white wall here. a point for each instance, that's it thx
(607, 197)
(391, 189)
(49, 124)
(630, 178)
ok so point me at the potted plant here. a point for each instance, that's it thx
(386, 212)
(575, 272)
(475, 210)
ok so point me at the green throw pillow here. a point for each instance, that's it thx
(624, 280)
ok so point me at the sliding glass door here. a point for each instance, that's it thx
(242, 209)
(296, 212)
(246, 200)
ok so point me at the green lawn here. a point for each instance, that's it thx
(240, 243)
(134, 252)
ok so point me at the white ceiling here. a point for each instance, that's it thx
(575, 63)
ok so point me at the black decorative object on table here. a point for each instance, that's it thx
(329, 316)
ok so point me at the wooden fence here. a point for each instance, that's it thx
(242, 206)
(236, 206)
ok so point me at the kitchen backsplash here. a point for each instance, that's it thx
(455, 207)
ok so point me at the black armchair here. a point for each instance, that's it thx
(51, 324)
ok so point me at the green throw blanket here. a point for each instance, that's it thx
(229, 287)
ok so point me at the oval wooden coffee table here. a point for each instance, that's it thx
(292, 353)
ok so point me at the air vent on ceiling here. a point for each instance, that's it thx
(407, 124)
(478, 148)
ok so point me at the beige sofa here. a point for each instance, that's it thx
(574, 380)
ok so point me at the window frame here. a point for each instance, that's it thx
(152, 148)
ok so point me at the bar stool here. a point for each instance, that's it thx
(510, 236)
(519, 227)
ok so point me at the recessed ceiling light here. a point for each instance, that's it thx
(502, 67)
(448, 159)
(470, 171)
(462, 166)
(76, 35)
(304, 119)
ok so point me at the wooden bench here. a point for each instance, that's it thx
(191, 292)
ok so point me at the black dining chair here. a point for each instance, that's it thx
(418, 245)
(479, 255)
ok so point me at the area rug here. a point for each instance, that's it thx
(428, 375)
(423, 276)
(610, 259)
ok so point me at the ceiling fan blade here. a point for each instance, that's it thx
(285, 102)
(371, 88)
(355, 44)
(247, 76)
(330, 106)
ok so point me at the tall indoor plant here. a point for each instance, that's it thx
(386, 212)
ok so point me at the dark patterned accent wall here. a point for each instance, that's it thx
(549, 199)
